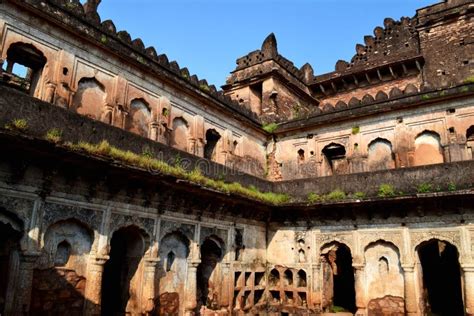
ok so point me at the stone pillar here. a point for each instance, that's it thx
(315, 297)
(24, 283)
(225, 287)
(468, 272)
(191, 289)
(106, 116)
(93, 290)
(410, 290)
(153, 127)
(359, 284)
(149, 281)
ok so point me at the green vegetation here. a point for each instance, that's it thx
(147, 152)
(337, 309)
(103, 39)
(195, 176)
(469, 79)
(424, 188)
(314, 198)
(270, 128)
(204, 88)
(355, 130)
(166, 112)
(18, 125)
(140, 59)
(296, 110)
(425, 97)
(54, 135)
(451, 187)
(336, 195)
(386, 190)
(359, 195)
(464, 89)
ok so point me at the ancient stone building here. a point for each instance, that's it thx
(130, 186)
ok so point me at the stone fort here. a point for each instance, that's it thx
(129, 186)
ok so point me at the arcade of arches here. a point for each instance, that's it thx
(165, 269)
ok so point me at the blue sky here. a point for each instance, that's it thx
(207, 36)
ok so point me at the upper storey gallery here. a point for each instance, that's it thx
(78, 62)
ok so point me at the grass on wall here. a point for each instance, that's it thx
(146, 162)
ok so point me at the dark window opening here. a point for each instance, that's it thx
(334, 154)
(441, 278)
(24, 67)
(63, 252)
(239, 243)
(9, 247)
(211, 255)
(301, 155)
(126, 251)
(301, 279)
(343, 278)
(470, 133)
(288, 277)
(256, 96)
(274, 278)
(212, 137)
(170, 260)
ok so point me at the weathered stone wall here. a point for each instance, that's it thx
(449, 58)
(80, 76)
(417, 136)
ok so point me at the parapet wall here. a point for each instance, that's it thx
(406, 181)
(42, 117)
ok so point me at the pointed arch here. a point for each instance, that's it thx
(139, 117)
(380, 155)
(428, 149)
(90, 97)
(180, 133)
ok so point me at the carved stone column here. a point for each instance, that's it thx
(153, 127)
(50, 92)
(93, 290)
(225, 287)
(468, 271)
(359, 284)
(410, 290)
(316, 295)
(149, 281)
(106, 116)
(191, 289)
(24, 283)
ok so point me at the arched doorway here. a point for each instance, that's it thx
(338, 276)
(207, 290)
(441, 277)
(122, 272)
(9, 246)
(173, 253)
(212, 137)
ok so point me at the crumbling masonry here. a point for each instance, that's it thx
(129, 186)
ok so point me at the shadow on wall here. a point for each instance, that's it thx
(123, 272)
(57, 287)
